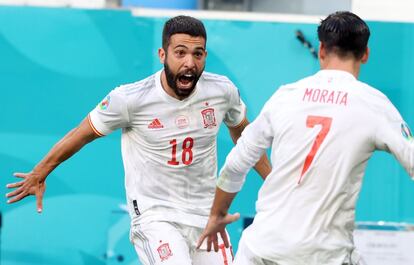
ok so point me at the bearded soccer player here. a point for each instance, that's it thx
(169, 123)
(322, 130)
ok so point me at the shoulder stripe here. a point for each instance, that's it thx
(93, 127)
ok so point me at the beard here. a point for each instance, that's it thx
(186, 75)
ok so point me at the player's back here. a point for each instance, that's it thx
(324, 129)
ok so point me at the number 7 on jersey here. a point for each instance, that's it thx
(311, 121)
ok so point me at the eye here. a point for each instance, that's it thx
(198, 54)
(180, 53)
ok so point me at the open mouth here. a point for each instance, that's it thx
(186, 80)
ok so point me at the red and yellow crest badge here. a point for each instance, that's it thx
(164, 251)
(209, 119)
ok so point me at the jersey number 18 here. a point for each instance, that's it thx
(186, 154)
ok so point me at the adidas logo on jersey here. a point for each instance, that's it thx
(155, 124)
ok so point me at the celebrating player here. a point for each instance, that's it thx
(322, 130)
(169, 122)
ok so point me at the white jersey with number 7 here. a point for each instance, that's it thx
(322, 130)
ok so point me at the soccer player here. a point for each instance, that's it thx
(322, 130)
(169, 123)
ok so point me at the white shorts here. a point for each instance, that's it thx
(244, 256)
(170, 243)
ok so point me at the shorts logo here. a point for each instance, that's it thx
(104, 103)
(208, 118)
(406, 132)
(182, 121)
(164, 251)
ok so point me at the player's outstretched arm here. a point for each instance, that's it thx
(219, 218)
(263, 166)
(33, 183)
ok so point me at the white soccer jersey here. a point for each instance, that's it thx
(322, 129)
(168, 145)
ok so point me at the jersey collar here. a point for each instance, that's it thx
(336, 73)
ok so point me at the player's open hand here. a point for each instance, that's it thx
(32, 184)
(216, 225)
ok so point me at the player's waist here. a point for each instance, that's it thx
(195, 217)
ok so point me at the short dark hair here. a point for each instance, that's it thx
(344, 33)
(182, 24)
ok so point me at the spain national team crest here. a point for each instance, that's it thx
(164, 251)
(208, 118)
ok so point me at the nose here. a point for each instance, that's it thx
(189, 62)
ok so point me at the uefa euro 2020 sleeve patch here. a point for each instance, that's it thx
(104, 103)
(406, 132)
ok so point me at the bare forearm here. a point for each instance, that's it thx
(219, 218)
(33, 183)
(222, 202)
(263, 166)
(64, 149)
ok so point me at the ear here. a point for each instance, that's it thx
(322, 51)
(364, 58)
(161, 55)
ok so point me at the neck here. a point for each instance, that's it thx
(349, 65)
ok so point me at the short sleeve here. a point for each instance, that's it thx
(110, 114)
(237, 109)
